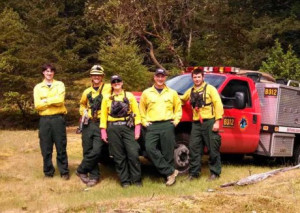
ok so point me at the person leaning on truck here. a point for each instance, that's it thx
(49, 97)
(160, 108)
(207, 112)
(90, 106)
(120, 127)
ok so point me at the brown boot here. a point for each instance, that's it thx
(65, 176)
(172, 178)
(213, 177)
(92, 182)
(83, 177)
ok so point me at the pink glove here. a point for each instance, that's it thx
(104, 135)
(137, 131)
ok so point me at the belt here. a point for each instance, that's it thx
(52, 116)
(154, 122)
(117, 123)
(203, 120)
(94, 120)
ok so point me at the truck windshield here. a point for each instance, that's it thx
(182, 83)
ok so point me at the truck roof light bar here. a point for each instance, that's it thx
(213, 69)
(208, 69)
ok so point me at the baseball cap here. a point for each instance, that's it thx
(160, 71)
(115, 78)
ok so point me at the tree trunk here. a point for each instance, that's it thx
(177, 56)
(190, 43)
(152, 55)
(22, 110)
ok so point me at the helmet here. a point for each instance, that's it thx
(97, 70)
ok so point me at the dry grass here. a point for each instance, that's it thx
(24, 189)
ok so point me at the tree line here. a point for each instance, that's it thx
(133, 37)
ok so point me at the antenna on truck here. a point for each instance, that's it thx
(291, 83)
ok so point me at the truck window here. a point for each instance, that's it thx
(182, 83)
(237, 86)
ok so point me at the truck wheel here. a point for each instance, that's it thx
(181, 158)
(296, 155)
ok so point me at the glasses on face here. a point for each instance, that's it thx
(115, 81)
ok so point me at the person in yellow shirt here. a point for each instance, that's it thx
(120, 127)
(49, 96)
(207, 112)
(160, 108)
(90, 107)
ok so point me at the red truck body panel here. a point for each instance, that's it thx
(240, 134)
(239, 138)
(235, 137)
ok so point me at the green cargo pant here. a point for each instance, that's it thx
(202, 135)
(160, 144)
(52, 130)
(91, 148)
(125, 151)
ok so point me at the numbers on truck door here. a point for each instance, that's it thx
(228, 122)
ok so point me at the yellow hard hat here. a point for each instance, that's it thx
(97, 70)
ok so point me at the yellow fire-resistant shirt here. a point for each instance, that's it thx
(215, 110)
(54, 95)
(155, 106)
(84, 102)
(106, 108)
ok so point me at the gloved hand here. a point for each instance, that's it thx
(137, 131)
(104, 135)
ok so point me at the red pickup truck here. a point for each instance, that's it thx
(261, 117)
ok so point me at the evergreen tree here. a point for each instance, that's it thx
(280, 64)
(11, 40)
(120, 55)
(15, 89)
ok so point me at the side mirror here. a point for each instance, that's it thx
(240, 101)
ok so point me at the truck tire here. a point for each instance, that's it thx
(181, 153)
(296, 155)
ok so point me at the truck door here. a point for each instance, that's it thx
(240, 127)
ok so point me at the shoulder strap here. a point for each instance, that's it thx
(192, 89)
(100, 92)
(204, 96)
(128, 103)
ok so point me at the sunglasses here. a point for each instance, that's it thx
(115, 81)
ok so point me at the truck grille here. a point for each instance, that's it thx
(282, 109)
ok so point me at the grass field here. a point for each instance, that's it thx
(23, 187)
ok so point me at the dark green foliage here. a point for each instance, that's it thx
(282, 65)
(121, 56)
(76, 34)
(12, 40)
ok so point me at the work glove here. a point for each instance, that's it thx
(104, 135)
(137, 131)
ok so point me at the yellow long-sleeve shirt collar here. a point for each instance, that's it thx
(155, 106)
(106, 108)
(50, 100)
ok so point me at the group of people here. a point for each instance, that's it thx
(113, 116)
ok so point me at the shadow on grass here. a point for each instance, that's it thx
(256, 160)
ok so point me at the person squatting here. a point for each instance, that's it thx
(110, 115)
